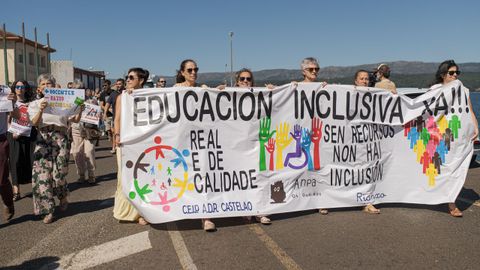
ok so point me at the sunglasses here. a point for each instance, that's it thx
(190, 70)
(20, 87)
(248, 79)
(451, 72)
(162, 81)
(312, 69)
(130, 77)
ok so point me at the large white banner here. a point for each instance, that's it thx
(193, 153)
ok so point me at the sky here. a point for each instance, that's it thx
(157, 35)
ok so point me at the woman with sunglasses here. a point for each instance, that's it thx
(187, 74)
(21, 138)
(187, 77)
(51, 154)
(310, 69)
(244, 79)
(447, 72)
(123, 210)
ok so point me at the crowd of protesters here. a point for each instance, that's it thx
(40, 154)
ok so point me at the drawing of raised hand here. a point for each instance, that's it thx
(306, 142)
(317, 125)
(270, 146)
(270, 149)
(263, 135)
(297, 133)
(316, 130)
(282, 141)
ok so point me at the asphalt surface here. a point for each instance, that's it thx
(401, 237)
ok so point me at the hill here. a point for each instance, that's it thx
(404, 74)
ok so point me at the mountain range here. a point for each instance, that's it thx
(403, 73)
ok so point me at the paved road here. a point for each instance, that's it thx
(87, 236)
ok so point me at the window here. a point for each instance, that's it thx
(43, 62)
(31, 59)
(20, 58)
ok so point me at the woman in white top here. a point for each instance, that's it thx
(447, 72)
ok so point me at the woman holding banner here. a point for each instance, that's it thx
(21, 138)
(123, 210)
(244, 79)
(187, 74)
(362, 79)
(187, 77)
(310, 69)
(51, 154)
(448, 71)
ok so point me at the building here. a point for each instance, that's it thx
(64, 72)
(18, 59)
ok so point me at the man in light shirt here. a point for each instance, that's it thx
(383, 75)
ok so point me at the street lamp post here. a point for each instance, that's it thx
(230, 34)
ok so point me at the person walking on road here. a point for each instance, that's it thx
(83, 144)
(5, 186)
(110, 106)
(123, 210)
(21, 139)
(51, 154)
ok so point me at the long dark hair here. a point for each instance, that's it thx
(180, 78)
(237, 75)
(28, 96)
(141, 73)
(442, 70)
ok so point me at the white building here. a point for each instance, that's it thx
(17, 59)
(64, 72)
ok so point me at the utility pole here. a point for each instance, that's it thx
(48, 53)
(37, 68)
(5, 62)
(231, 58)
(25, 75)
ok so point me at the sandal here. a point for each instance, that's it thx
(454, 211)
(370, 209)
(208, 225)
(16, 196)
(142, 221)
(48, 219)
(264, 220)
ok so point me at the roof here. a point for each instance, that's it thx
(89, 72)
(14, 37)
